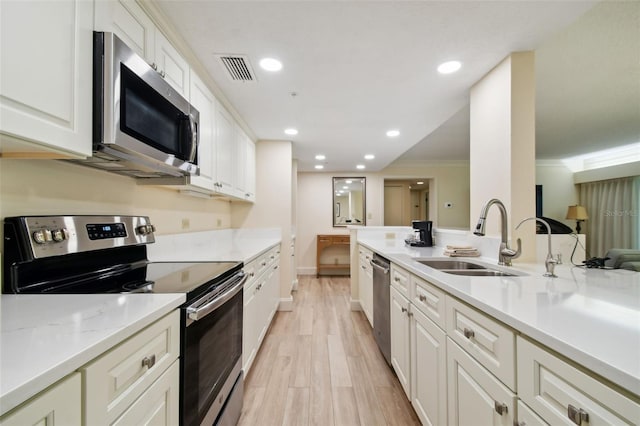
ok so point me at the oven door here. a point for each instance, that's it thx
(212, 353)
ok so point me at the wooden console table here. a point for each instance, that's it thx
(329, 240)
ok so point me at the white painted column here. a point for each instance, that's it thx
(502, 152)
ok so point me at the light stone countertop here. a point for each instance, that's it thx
(591, 316)
(46, 337)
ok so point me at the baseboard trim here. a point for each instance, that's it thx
(286, 304)
(306, 270)
(355, 305)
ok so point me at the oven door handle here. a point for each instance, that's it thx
(196, 313)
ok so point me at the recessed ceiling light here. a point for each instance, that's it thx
(291, 131)
(319, 166)
(449, 67)
(270, 64)
(369, 157)
(348, 181)
(360, 166)
(393, 133)
(320, 157)
(420, 183)
(345, 187)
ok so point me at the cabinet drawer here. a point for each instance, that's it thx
(158, 405)
(400, 280)
(488, 341)
(560, 393)
(117, 378)
(341, 239)
(428, 299)
(526, 417)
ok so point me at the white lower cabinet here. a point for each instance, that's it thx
(260, 302)
(475, 396)
(365, 282)
(124, 376)
(400, 343)
(562, 394)
(428, 370)
(59, 405)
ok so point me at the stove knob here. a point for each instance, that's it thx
(38, 237)
(146, 229)
(59, 235)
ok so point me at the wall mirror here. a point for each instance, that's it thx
(349, 206)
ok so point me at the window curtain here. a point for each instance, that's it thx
(613, 207)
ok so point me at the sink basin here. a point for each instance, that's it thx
(479, 273)
(451, 264)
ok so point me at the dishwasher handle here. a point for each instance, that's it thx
(376, 264)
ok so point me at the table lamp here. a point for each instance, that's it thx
(577, 213)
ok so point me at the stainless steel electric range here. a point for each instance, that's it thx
(108, 254)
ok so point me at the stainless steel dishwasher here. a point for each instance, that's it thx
(381, 305)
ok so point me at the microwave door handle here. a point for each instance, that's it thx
(194, 138)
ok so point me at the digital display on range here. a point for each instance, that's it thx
(101, 231)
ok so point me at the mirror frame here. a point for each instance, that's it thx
(336, 207)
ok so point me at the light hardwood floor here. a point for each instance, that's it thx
(320, 365)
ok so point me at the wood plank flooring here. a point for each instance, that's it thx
(320, 365)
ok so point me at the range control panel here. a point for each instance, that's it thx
(59, 235)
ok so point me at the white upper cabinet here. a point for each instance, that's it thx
(204, 101)
(246, 163)
(130, 23)
(225, 151)
(171, 65)
(46, 77)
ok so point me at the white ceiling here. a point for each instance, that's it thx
(360, 68)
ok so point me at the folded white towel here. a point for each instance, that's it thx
(461, 253)
(461, 247)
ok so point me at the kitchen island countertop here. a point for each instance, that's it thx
(591, 316)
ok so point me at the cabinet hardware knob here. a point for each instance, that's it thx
(162, 74)
(468, 333)
(500, 407)
(154, 66)
(422, 298)
(396, 279)
(149, 361)
(275, 267)
(410, 314)
(404, 310)
(577, 415)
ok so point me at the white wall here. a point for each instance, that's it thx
(273, 206)
(42, 187)
(502, 146)
(558, 190)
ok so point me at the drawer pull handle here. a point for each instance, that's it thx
(396, 279)
(149, 361)
(500, 407)
(468, 333)
(577, 415)
(404, 310)
(422, 298)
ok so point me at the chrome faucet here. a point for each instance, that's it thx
(549, 263)
(505, 254)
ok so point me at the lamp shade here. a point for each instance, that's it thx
(577, 213)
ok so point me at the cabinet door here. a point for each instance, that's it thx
(475, 396)
(225, 151)
(400, 344)
(526, 417)
(428, 370)
(58, 405)
(250, 316)
(45, 76)
(250, 170)
(204, 101)
(158, 405)
(365, 281)
(562, 394)
(171, 65)
(127, 20)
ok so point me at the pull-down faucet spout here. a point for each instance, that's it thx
(505, 254)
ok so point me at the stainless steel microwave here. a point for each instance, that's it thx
(142, 127)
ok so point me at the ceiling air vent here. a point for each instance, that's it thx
(238, 67)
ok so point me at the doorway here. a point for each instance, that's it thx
(406, 200)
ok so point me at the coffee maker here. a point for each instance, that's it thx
(423, 233)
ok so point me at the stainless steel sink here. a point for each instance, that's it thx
(479, 273)
(451, 264)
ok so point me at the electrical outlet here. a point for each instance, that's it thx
(370, 216)
(186, 224)
(218, 222)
